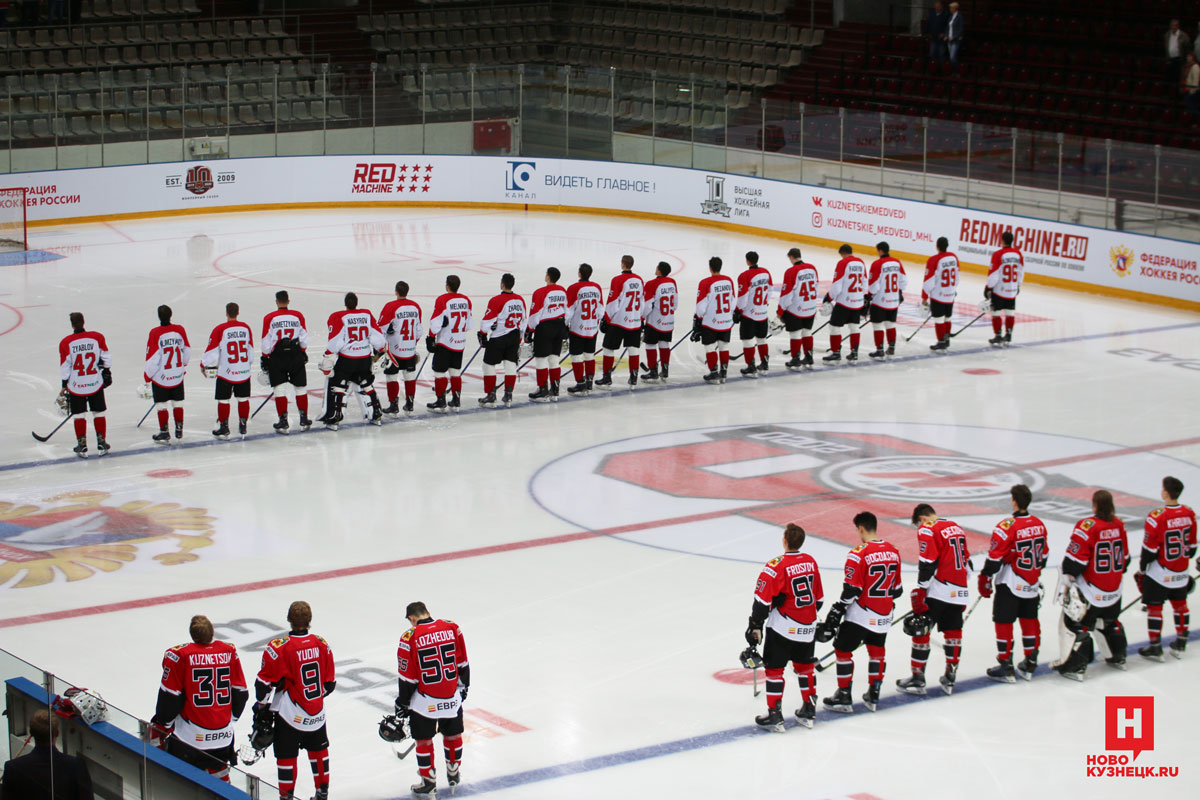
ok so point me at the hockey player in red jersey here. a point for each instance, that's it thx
(886, 283)
(787, 597)
(1003, 285)
(713, 323)
(298, 670)
(753, 306)
(940, 596)
(1016, 556)
(434, 677)
(939, 290)
(500, 334)
(354, 340)
(400, 321)
(546, 331)
(658, 313)
(1163, 569)
(449, 325)
(1090, 589)
(847, 293)
(167, 356)
(798, 305)
(202, 694)
(230, 347)
(622, 325)
(863, 614)
(284, 354)
(85, 368)
(584, 311)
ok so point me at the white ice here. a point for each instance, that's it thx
(593, 655)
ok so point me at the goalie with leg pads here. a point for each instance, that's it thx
(354, 339)
(1090, 588)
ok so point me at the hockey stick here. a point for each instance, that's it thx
(918, 330)
(147, 414)
(51, 433)
(401, 754)
(971, 610)
(419, 369)
(464, 369)
(1130, 604)
(969, 324)
(822, 666)
(260, 406)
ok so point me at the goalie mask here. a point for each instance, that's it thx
(75, 702)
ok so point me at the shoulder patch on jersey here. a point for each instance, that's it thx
(179, 647)
(774, 561)
(1006, 524)
(407, 635)
(279, 642)
(1157, 512)
(322, 641)
(1086, 524)
(860, 547)
(171, 653)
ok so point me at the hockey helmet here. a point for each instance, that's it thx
(394, 729)
(750, 659)
(917, 625)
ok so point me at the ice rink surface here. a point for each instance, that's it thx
(600, 553)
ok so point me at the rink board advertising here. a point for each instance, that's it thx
(1090, 257)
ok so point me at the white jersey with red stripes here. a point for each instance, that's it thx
(354, 334)
(81, 356)
(715, 302)
(662, 298)
(167, 355)
(754, 293)
(941, 278)
(505, 313)
(230, 348)
(547, 303)
(280, 324)
(1006, 272)
(584, 302)
(800, 297)
(885, 282)
(849, 283)
(451, 320)
(400, 321)
(625, 299)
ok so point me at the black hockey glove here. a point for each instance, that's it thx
(263, 361)
(402, 711)
(753, 633)
(696, 329)
(482, 339)
(604, 326)
(529, 336)
(987, 293)
(430, 343)
(902, 298)
(391, 330)
(737, 316)
(462, 693)
(106, 376)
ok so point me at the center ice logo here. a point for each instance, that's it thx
(724, 492)
(77, 535)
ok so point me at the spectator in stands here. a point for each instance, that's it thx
(938, 17)
(1177, 44)
(954, 33)
(1191, 83)
(28, 777)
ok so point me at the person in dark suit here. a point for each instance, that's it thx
(28, 777)
(938, 19)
